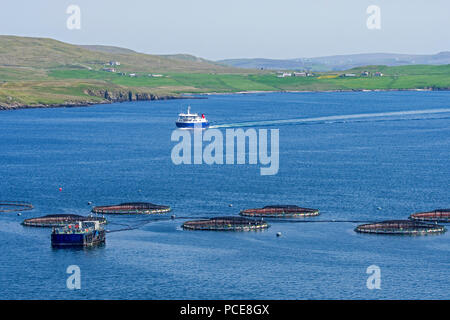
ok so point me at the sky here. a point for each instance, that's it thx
(279, 29)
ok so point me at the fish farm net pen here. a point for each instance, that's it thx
(226, 224)
(57, 220)
(280, 211)
(438, 215)
(132, 208)
(15, 206)
(400, 227)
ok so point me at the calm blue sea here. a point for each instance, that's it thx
(370, 168)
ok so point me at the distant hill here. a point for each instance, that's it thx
(40, 72)
(187, 57)
(107, 49)
(340, 62)
(43, 53)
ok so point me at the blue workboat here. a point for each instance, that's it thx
(191, 120)
(78, 234)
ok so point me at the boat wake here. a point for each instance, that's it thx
(383, 116)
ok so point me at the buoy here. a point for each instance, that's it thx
(19, 214)
(278, 234)
(230, 205)
(60, 189)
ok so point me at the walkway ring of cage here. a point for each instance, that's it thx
(132, 208)
(438, 215)
(400, 227)
(15, 206)
(231, 223)
(280, 211)
(59, 220)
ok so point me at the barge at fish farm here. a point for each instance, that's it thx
(80, 234)
(280, 211)
(400, 227)
(58, 220)
(226, 224)
(132, 208)
(438, 215)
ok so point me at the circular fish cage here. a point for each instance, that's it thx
(58, 220)
(15, 206)
(226, 224)
(132, 208)
(438, 215)
(280, 211)
(400, 227)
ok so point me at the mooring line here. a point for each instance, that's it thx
(326, 221)
(282, 220)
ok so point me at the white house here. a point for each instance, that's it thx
(284, 75)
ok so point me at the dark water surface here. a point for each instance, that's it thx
(347, 168)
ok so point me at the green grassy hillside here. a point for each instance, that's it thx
(46, 53)
(45, 72)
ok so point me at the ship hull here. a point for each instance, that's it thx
(78, 240)
(191, 125)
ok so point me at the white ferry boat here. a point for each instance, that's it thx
(191, 120)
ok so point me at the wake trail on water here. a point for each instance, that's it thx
(333, 119)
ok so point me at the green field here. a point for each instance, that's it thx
(45, 72)
(405, 77)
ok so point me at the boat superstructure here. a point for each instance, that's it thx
(191, 120)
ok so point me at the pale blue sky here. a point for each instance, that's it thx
(238, 28)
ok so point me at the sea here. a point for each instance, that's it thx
(356, 156)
